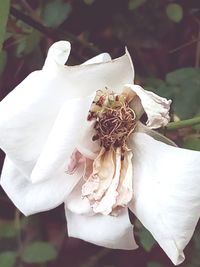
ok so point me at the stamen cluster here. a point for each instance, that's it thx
(114, 119)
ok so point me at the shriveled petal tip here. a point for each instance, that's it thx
(58, 54)
(107, 231)
(166, 187)
(156, 107)
(32, 198)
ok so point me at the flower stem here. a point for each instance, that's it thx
(183, 123)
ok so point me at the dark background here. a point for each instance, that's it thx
(163, 38)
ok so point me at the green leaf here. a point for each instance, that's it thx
(174, 12)
(3, 60)
(179, 76)
(154, 264)
(133, 4)
(4, 11)
(28, 43)
(8, 230)
(56, 12)
(39, 252)
(8, 258)
(146, 239)
(192, 142)
(184, 85)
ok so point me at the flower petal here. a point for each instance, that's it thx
(113, 232)
(104, 57)
(32, 198)
(141, 128)
(62, 139)
(32, 108)
(58, 54)
(166, 192)
(156, 107)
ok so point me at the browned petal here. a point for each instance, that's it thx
(101, 177)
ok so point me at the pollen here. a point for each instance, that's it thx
(114, 119)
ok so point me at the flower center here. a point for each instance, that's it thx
(114, 119)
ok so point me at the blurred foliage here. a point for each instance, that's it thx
(163, 39)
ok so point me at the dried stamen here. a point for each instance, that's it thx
(115, 120)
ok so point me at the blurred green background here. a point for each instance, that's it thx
(163, 38)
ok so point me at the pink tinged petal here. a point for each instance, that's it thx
(166, 192)
(107, 231)
(107, 202)
(101, 177)
(74, 162)
(32, 198)
(156, 107)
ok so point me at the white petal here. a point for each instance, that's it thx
(141, 128)
(104, 57)
(58, 54)
(32, 108)
(107, 231)
(76, 203)
(166, 192)
(156, 107)
(32, 198)
(86, 146)
(62, 139)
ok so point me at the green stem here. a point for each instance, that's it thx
(183, 124)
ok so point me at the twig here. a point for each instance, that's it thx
(54, 35)
(184, 45)
(183, 124)
(197, 57)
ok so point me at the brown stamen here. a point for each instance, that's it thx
(115, 121)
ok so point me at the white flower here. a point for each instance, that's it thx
(44, 129)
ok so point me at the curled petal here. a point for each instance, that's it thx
(104, 57)
(113, 232)
(156, 107)
(58, 54)
(32, 198)
(101, 177)
(166, 192)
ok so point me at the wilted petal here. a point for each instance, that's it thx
(32, 198)
(108, 231)
(125, 187)
(108, 200)
(166, 192)
(156, 107)
(101, 177)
